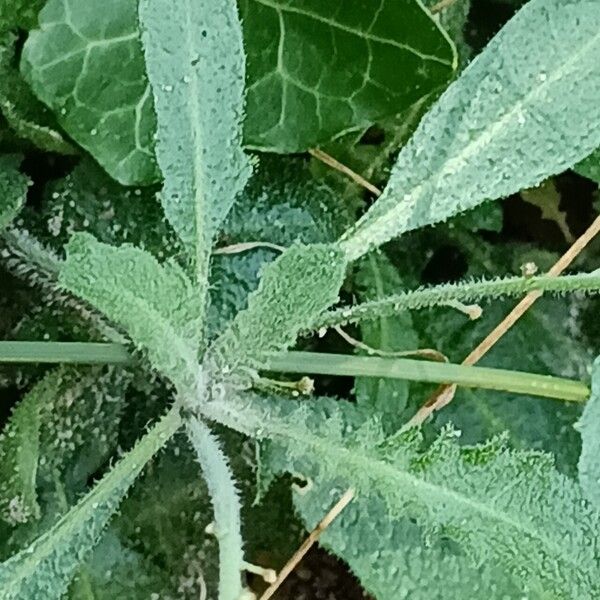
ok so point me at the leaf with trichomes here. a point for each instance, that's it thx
(156, 304)
(13, 189)
(86, 64)
(589, 426)
(317, 70)
(195, 63)
(45, 568)
(20, 452)
(524, 109)
(226, 507)
(303, 282)
(503, 507)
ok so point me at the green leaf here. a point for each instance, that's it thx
(26, 115)
(45, 568)
(506, 508)
(86, 64)
(226, 507)
(156, 304)
(404, 567)
(589, 427)
(317, 70)
(524, 109)
(19, 14)
(20, 452)
(13, 189)
(590, 167)
(195, 63)
(293, 290)
(377, 278)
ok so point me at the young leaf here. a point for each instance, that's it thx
(589, 427)
(524, 109)
(20, 450)
(45, 568)
(360, 62)
(293, 290)
(27, 116)
(226, 507)
(503, 507)
(195, 63)
(156, 304)
(86, 64)
(13, 189)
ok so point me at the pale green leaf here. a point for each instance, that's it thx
(20, 452)
(524, 109)
(13, 189)
(319, 69)
(506, 508)
(25, 114)
(86, 64)
(226, 507)
(293, 290)
(195, 62)
(45, 568)
(589, 426)
(156, 304)
(590, 167)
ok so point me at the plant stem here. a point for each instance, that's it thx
(324, 364)
(64, 352)
(433, 372)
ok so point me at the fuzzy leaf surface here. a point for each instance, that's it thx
(45, 568)
(196, 65)
(503, 507)
(317, 70)
(513, 118)
(156, 304)
(87, 66)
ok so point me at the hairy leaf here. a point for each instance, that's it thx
(226, 507)
(45, 568)
(317, 70)
(86, 64)
(13, 189)
(513, 118)
(27, 116)
(589, 426)
(156, 304)
(293, 290)
(20, 452)
(195, 63)
(507, 508)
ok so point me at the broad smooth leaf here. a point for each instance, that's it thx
(195, 63)
(85, 62)
(156, 304)
(226, 507)
(45, 568)
(13, 189)
(319, 69)
(25, 114)
(589, 426)
(524, 109)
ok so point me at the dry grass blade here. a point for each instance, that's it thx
(309, 542)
